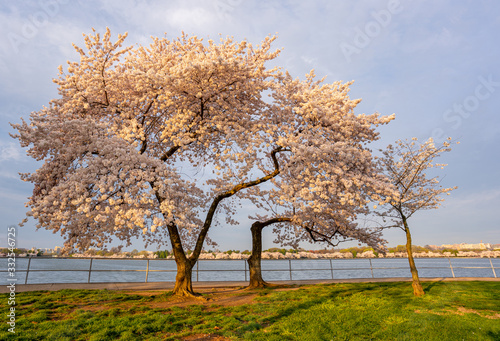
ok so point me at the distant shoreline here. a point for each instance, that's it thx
(295, 255)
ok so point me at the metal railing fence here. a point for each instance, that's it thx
(196, 270)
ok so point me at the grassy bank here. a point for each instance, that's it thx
(359, 311)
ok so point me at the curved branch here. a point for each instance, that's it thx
(229, 193)
(272, 221)
(324, 238)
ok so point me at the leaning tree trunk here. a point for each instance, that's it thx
(255, 260)
(417, 286)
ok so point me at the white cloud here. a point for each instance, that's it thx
(484, 200)
(10, 151)
(196, 17)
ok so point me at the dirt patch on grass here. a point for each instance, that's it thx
(211, 299)
(225, 297)
(205, 337)
(212, 296)
(217, 299)
(493, 316)
(462, 311)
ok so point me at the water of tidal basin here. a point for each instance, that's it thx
(74, 270)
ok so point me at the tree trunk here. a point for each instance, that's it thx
(255, 260)
(417, 287)
(183, 282)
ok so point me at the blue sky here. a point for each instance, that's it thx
(435, 64)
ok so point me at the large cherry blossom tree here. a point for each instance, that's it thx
(158, 141)
(123, 143)
(409, 165)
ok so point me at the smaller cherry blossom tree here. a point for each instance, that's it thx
(406, 164)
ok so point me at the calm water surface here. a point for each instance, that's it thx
(76, 270)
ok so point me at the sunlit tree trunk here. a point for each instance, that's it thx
(417, 286)
(183, 283)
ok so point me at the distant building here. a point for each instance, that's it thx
(465, 246)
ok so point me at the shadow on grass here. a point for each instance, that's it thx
(320, 294)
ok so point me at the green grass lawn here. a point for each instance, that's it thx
(354, 311)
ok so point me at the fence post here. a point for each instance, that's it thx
(451, 267)
(245, 261)
(290, 267)
(331, 268)
(371, 267)
(27, 270)
(492, 268)
(90, 269)
(197, 271)
(147, 271)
